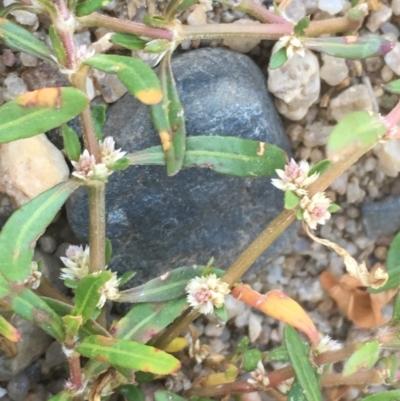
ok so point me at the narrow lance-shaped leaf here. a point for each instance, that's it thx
(58, 46)
(351, 47)
(131, 42)
(19, 234)
(72, 145)
(356, 131)
(278, 305)
(174, 7)
(170, 285)
(39, 111)
(168, 118)
(393, 395)
(223, 154)
(18, 38)
(8, 330)
(364, 358)
(164, 395)
(128, 354)
(278, 59)
(31, 307)
(140, 80)
(88, 294)
(146, 320)
(99, 119)
(131, 392)
(296, 393)
(305, 374)
(85, 7)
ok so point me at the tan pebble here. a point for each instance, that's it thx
(380, 252)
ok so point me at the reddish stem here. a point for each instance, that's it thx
(261, 13)
(75, 373)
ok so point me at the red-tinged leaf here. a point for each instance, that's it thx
(24, 227)
(279, 306)
(8, 330)
(128, 354)
(355, 131)
(140, 80)
(39, 111)
(12, 35)
(351, 47)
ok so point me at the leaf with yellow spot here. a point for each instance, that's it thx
(140, 80)
(8, 330)
(128, 354)
(279, 306)
(39, 111)
(177, 344)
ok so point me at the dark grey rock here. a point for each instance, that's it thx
(381, 218)
(156, 222)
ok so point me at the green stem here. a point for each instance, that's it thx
(260, 13)
(97, 225)
(123, 26)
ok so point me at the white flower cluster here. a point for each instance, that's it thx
(326, 344)
(296, 178)
(86, 167)
(77, 267)
(206, 292)
(33, 281)
(294, 45)
(258, 377)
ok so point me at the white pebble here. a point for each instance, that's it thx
(332, 7)
(214, 330)
(255, 327)
(334, 70)
(28, 60)
(396, 7)
(295, 10)
(392, 59)
(377, 18)
(15, 86)
(386, 74)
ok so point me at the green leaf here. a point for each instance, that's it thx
(131, 392)
(291, 200)
(301, 365)
(120, 164)
(24, 227)
(350, 47)
(278, 59)
(85, 7)
(393, 395)
(170, 285)
(276, 354)
(393, 87)
(164, 395)
(301, 26)
(108, 251)
(168, 118)
(242, 346)
(58, 47)
(63, 396)
(72, 324)
(138, 77)
(296, 392)
(221, 313)
(391, 364)
(131, 42)
(156, 21)
(128, 354)
(72, 145)
(396, 313)
(144, 321)
(39, 111)
(18, 38)
(392, 266)
(175, 7)
(358, 130)
(299, 214)
(223, 154)
(31, 307)
(126, 277)
(364, 358)
(88, 294)
(251, 358)
(99, 119)
(8, 330)
(320, 167)
(157, 46)
(333, 208)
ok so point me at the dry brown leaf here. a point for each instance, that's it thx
(360, 306)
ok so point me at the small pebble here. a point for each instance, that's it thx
(377, 18)
(8, 58)
(380, 252)
(386, 74)
(54, 355)
(15, 86)
(28, 60)
(392, 59)
(214, 330)
(255, 327)
(18, 387)
(396, 7)
(332, 7)
(47, 243)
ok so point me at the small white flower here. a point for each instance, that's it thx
(326, 344)
(293, 44)
(285, 386)
(109, 290)
(259, 377)
(206, 292)
(87, 168)
(33, 281)
(108, 153)
(315, 210)
(76, 263)
(295, 177)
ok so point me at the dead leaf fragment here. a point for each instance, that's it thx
(360, 306)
